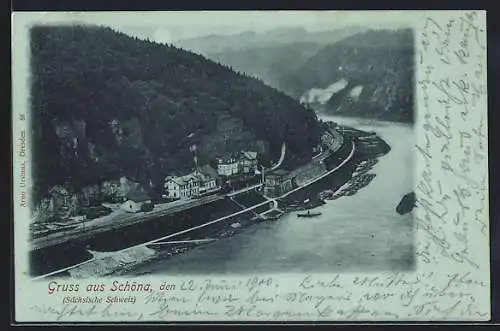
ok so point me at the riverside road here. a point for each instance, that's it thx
(115, 220)
(272, 204)
(344, 238)
(362, 232)
(120, 219)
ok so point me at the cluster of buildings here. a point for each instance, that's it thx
(201, 181)
(238, 164)
(206, 179)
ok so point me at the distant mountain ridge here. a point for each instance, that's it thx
(268, 63)
(209, 45)
(352, 71)
(376, 69)
(269, 55)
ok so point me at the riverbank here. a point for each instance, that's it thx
(127, 260)
(355, 176)
(368, 118)
(359, 233)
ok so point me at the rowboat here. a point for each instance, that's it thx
(309, 214)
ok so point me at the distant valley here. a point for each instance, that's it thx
(350, 72)
(220, 44)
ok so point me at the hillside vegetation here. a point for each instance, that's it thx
(268, 63)
(375, 71)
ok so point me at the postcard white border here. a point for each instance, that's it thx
(404, 301)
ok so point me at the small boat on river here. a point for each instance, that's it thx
(308, 214)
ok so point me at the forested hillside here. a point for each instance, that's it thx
(269, 63)
(270, 56)
(369, 74)
(105, 105)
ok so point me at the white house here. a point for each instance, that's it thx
(182, 187)
(208, 178)
(243, 163)
(248, 162)
(228, 166)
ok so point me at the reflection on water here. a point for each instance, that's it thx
(356, 233)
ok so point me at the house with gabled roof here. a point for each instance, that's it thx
(244, 162)
(248, 162)
(208, 178)
(203, 179)
(182, 187)
(228, 166)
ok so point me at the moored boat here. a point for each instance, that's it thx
(308, 214)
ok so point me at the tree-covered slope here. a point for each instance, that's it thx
(268, 63)
(105, 105)
(374, 73)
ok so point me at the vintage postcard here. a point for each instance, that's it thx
(255, 166)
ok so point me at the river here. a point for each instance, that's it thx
(359, 233)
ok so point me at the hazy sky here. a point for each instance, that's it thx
(184, 25)
(171, 26)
